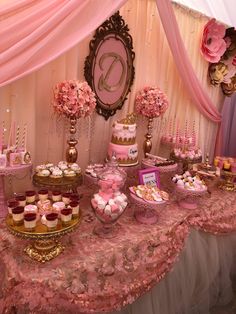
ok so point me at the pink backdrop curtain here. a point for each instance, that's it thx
(35, 32)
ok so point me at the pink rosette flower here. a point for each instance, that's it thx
(213, 45)
(151, 102)
(74, 99)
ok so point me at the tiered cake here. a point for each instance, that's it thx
(123, 142)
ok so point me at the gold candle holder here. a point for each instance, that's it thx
(147, 145)
(71, 151)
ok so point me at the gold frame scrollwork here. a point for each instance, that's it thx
(114, 27)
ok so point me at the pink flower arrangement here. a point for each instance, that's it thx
(74, 99)
(213, 45)
(151, 102)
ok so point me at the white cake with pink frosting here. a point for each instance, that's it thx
(123, 142)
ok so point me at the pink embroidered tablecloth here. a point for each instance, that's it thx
(217, 213)
(92, 275)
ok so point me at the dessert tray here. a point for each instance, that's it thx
(147, 205)
(46, 245)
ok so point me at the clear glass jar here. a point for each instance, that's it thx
(109, 202)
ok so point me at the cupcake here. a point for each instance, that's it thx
(43, 173)
(30, 220)
(18, 215)
(56, 174)
(69, 173)
(75, 167)
(56, 196)
(49, 165)
(75, 208)
(11, 205)
(66, 215)
(51, 221)
(30, 196)
(40, 168)
(21, 199)
(43, 194)
(66, 197)
(31, 209)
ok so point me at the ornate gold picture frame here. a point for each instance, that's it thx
(109, 68)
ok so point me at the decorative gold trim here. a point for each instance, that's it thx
(123, 141)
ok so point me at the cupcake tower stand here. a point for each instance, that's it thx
(64, 183)
(9, 171)
(46, 245)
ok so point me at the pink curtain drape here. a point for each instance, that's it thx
(182, 61)
(33, 33)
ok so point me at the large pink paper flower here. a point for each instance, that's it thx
(74, 99)
(151, 102)
(213, 45)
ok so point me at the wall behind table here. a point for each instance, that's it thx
(28, 100)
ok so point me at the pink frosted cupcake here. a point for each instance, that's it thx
(30, 220)
(18, 215)
(51, 221)
(66, 216)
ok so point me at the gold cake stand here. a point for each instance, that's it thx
(228, 183)
(63, 183)
(46, 245)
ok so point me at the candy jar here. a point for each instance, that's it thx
(109, 203)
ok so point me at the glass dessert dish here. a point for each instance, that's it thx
(109, 203)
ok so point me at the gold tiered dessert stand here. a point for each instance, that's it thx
(46, 245)
(63, 183)
(228, 183)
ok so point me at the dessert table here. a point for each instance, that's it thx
(141, 270)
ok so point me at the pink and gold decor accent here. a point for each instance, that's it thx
(43, 221)
(74, 100)
(218, 48)
(150, 102)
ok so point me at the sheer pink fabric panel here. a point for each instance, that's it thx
(200, 98)
(35, 32)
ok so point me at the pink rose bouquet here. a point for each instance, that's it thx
(151, 102)
(213, 45)
(74, 99)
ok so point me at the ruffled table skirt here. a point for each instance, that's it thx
(199, 280)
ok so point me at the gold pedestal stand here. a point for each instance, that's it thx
(46, 245)
(228, 183)
(71, 151)
(147, 145)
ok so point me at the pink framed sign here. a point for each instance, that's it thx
(149, 176)
(109, 67)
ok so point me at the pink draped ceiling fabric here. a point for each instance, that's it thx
(34, 33)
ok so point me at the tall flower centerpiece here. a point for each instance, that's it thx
(150, 102)
(74, 100)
